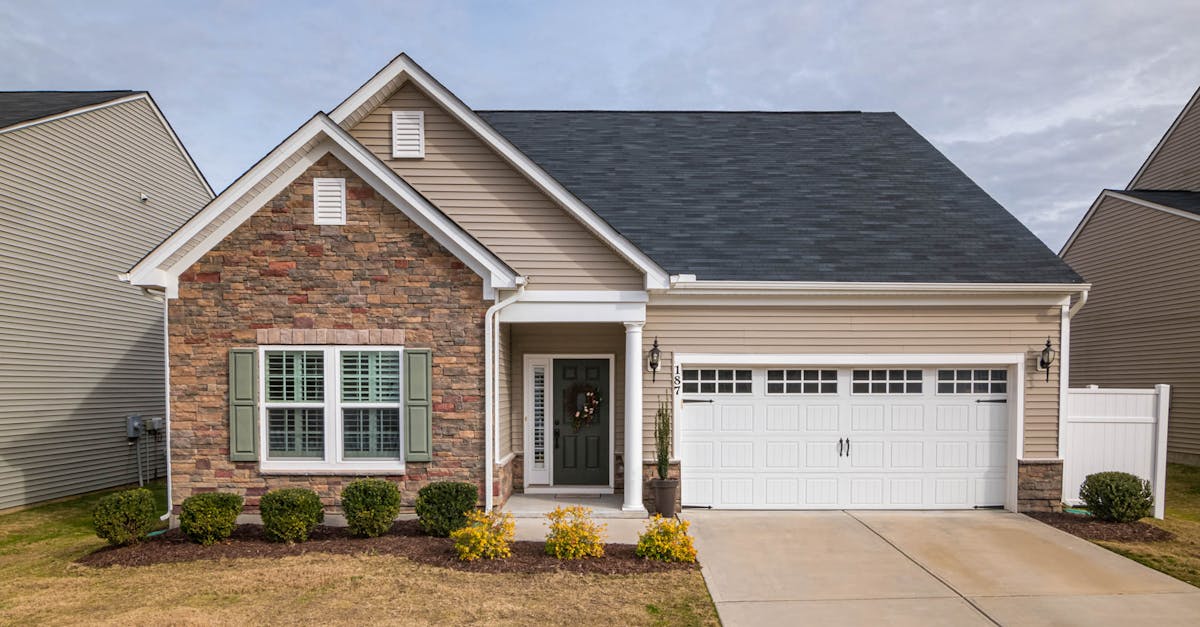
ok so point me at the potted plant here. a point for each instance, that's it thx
(664, 488)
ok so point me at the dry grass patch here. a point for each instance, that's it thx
(39, 583)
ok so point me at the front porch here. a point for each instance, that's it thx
(538, 505)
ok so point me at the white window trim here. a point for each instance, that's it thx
(408, 114)
(335, 461)
(341, 219)
(887, 380)
(819, 381)
(718, 381)
(937, 380)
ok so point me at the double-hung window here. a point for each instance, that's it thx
(331, 408)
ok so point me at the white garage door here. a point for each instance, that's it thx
(833, 438)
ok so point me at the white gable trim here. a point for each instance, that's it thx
(656, 277)
(152, 272)
(1108, 193)
(1154, 153)
(119, 101)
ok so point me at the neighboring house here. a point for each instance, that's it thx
(410, 288)
(88, 181)
(1140, 247)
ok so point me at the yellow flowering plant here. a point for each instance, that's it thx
(666, 540)
(487, 536)
(573, 534)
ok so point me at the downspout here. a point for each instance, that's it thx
(491, 401)
(1078, 305)
(162, 298)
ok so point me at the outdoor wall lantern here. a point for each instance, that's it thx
(1046, 358)
(655, 360)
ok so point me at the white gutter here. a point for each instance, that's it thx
(491, 433)
(1078, 305)
(688, 283)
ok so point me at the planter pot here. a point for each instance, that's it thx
(664, 496)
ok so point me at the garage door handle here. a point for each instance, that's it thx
(697, 400)
(847, 447)
(839, 447)
(991, 400)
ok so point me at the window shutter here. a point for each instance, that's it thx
(408, 134)
(329, 201)
(418, 405)
(243, 404)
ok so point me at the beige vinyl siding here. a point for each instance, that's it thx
(566, 339)
(1139, 326)
(80, 350)
(497, 205)
(865, 330)
(1176, 165)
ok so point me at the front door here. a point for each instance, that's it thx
(581, 415)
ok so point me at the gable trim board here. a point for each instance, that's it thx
(404, 68)
(1163, 140)
(1109, 193)
(118, 101)
(158, 270)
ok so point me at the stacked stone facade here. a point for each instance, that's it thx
(280, 276)
(1039, 485)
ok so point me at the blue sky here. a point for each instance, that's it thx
(1041, 103)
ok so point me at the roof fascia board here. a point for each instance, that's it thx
(863, 288)
(1153, 205)
(656, 277)
(1163, 140)
(858, 300)
(1062, 253)
(119, 101)
(1108, 193)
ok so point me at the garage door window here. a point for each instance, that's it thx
(972, 381)
(886, 382)
(717, 381)
(801, 382)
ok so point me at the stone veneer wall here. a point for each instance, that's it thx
(278, 276)
(1039, 485)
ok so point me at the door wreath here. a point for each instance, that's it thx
(581, 402)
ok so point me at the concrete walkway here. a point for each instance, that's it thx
(924, 568)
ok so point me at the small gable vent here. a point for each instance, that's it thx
(408, 134)
(329, 201)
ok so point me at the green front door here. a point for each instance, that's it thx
(581, 445)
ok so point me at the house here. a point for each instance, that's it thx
(89, 180)
(410, 288)
(1140, 247)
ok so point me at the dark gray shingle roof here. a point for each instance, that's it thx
(842, 196)
(1181, 200)
(23, 106)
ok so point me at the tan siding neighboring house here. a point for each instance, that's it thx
(865, 330)
(481, 192)
(80, 350)
(1175, 162)
(1139, 327)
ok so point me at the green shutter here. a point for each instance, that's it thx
(243, 404)
(418, 405)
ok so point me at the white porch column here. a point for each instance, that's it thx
(633, 417)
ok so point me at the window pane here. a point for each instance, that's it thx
(810, 388)
(793, 387)
(296, 433)
(999, 388)
(725, 387)
(708, 375)
(945, 388)
(859, 388)
(860, 375)
(691, 375)
(878, 388)
(371, 377)
(914, 375)
(295, 376)
(743, 387)
(690, 388)
(829, 388)
(999, 375)
(774, 375)
(913, 388)
(981, 387)
(945, 375)
(743, 375)
(829, 375)
(775, 388)
(708, 388)
(725, 375)
(371, 432)
(896, 387)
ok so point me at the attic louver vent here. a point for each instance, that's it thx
(408, 134)
(329, 201)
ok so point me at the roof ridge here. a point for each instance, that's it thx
(73, 91)
(706, 111)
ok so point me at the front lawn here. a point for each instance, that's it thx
(1179, 557)
(41, 583)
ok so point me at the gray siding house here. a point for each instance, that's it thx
(88, 182)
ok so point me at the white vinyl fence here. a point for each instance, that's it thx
(1116, 429)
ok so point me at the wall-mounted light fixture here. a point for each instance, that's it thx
(655, 360)
(1046, 359)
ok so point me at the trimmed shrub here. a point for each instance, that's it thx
(290, 514)
(573, 534)
(666, 540)
(442, 506)
(1117, 496)
(209, 517)
(125, 517)
(486, 536)
(371, 506)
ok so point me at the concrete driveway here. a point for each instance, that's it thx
(924, 568)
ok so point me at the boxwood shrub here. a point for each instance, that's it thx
(290, 514)
(442, 506)
(209, 517)
(125, 517)
(371, 506)
(1117, 496)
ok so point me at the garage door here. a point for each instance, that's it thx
(833, 438)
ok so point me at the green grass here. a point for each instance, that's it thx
(40, 583)
(1180, 557)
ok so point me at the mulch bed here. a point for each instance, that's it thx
(1089, 528)
(404, 540)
